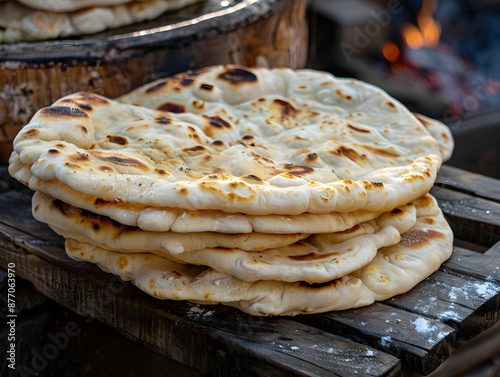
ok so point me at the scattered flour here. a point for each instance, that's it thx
(422, 325)
(450, 314)
(385, 341)
(195, 310)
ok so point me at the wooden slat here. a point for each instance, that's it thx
(459, 242)
(471, 218)
(422, 343)
(463, 303)
(477, 184)
(483, 272)
(475, 358)
(84, 347)
(494, 251)
(485, 267)
(15, 207)
(18, 241)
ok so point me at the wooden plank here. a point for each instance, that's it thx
(485, 267)
(210, 340)
(469, 305)
(463, 294)
(471, 218)
(52, 341)
(15, 207)
(494, 251)
(459, 242)
(477, 184)
(471, 359)
(422, 343)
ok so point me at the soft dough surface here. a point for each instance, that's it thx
(255, 141)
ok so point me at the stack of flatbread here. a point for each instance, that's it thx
(31, 20)
(275, 191)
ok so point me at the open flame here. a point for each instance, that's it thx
(416, 56)
(428, 31)
(425, 34)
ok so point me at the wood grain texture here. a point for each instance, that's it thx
(476, 184)
(421, 343)
(416, 331)
(472, 218)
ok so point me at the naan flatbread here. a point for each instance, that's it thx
(393, 271)
(317, 259)
(442, 133)
(73, 222)
(267, 142)
(20, 23)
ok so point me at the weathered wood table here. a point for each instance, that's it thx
(411, 333)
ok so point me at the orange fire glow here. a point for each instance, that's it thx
(428, 31)
(391, 52)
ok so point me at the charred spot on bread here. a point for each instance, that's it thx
(218, 122)
(186, 82)
(207, 87)
(236, 75)
(172, 107)
(163, 120)
(63, 112)
(298, 169)
(119, 159)
(116, 139)
(416, 238)
(156, 87)
(358, 129)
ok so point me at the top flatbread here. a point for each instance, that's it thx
(441, 133)
(256, 141)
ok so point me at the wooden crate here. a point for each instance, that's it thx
(411, 334)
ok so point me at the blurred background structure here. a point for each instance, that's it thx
(441, 58)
